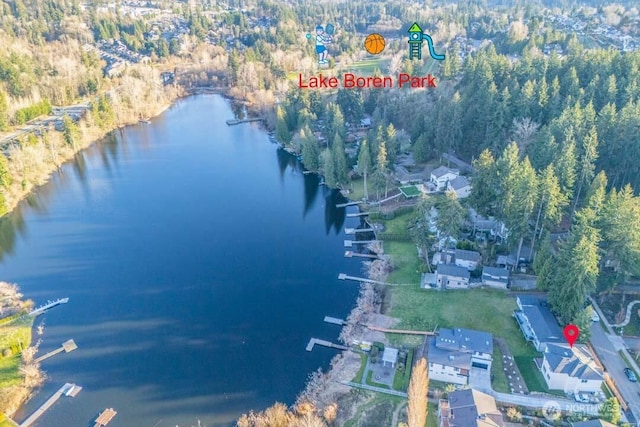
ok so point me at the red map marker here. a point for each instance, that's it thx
(571, 334)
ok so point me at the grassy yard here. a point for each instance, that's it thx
(367, 66)
(401, 379)
(363, 366)
(376, 412)
(370, 382)
(432, 415)
(16, 334)
(410, 191)
(532, 376)
(405, 262)
(6, 423)
(499, 381)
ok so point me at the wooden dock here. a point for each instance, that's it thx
(47, 306)
(357, 230)
(316, 341)
(357, 214)
(350, 254)
(105, 417)
(67, 390)
(233, 122)
(344, 205)
(334, 320)
(343, 276)
(67, 347)
(350, 243)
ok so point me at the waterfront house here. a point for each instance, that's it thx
(460, 185)
(469, 408)
(460, 257)
(451, 276)
(570, 369)
(453, 353)
(495, 277)
(441, 176)
(537, 322)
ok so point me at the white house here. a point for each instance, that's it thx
(451, 276)
(495, 277)
(461, 186)
(570, 369)
(467, 259)
(441, 176)
(453, 353)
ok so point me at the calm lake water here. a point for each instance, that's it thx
(198, 260)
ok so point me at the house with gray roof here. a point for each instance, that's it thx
(441, 176)
(593, 423)
(451, 276)
(460, 257)
(461, 186)
(537, 322)
(453, 353)
(495, 277)
(469, 408)
(570, 369)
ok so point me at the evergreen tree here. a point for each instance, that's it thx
(329, 168)
(310, 150)
(70, 130)
(421, 149)
(339, 160)
(5, 176)
(484, 191)
(364, 164)
(282, 129)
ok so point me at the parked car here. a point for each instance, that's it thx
(629, 373)
(581, 397)
(595, 317)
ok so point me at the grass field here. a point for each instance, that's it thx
(367, 66)
(17, 333)
(363, 366)
(410, 191)
(432, 415)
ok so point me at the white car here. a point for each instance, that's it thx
(583, 398)
(595, 317)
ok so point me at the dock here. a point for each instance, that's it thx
(343, 276)
(350, 243)
(344, 205)
(68, 389)
(315, 341)
(67, 347)
(350, 254)
(357, 230)
(357, 214)
(105, 417)
(334, 320)
(49, 305)
(233, 122)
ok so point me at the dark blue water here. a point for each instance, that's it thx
(198, 260)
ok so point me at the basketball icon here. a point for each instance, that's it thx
(374, 43)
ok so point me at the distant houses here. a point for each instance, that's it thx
(495, 277)
(537, 323)
(453, 353)
(441, 176)
(470, 408)
(570, 369)
(461, 186)
(451, 276)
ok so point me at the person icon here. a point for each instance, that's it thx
(321, 40)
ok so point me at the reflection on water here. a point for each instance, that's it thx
(197, 269)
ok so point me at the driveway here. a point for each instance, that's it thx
(607, 347)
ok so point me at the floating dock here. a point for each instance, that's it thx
(47, 306)
(343, 276)
(233, 122)
(344, 205)
(315, 341)
(105, 417)
(350, 243)
(357, 230)
(68, 389)
(334, 320)
(350, 254)
(67, 347)
(357, 214)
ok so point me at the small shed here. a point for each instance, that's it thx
(390, 357)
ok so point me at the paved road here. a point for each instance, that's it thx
(607, 347)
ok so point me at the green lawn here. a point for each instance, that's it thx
(401, 379)
(432, 415)
(530, 373)
(499, 381)
(398, 225)
(410, 191)
(367, 66)
(6, 423)
(357, 189)
(406, 264)
(9, 371)
(16, 334)
(363, 365)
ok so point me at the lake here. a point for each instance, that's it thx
(198, 260)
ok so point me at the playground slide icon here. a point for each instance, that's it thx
(416, 38)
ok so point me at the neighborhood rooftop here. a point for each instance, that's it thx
(575, 362)
(443, 170)
(452, 270)
(459, 183)
(465, 340)
(538, 320)
(471, 408)
(462, 254)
